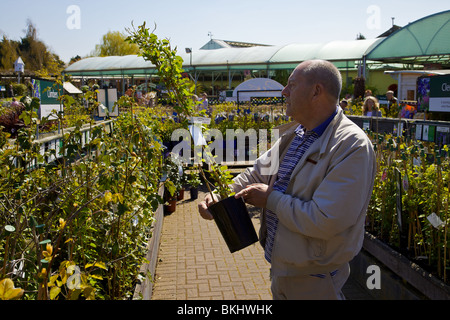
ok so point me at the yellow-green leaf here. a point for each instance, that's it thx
(53, 278)
(108, 196)
(54, 292)
(101, 265)
(7, 290)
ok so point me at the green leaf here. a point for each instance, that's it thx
(33, 221)
(121, 209)
(115, 249)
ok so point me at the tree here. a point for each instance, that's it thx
(9, 52)
(74, 59)
(114, 44)
(360, 36)
(33, 50)
(35, 54)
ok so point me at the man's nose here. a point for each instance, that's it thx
(285, 91)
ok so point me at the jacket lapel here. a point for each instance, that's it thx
(319, 146)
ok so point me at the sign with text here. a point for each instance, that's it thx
(48, 92)
(434, 93)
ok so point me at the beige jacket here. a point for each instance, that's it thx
(322, 214)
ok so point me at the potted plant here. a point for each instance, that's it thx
(230, 214)
(171, 181)
(194, 182)
(184, 181)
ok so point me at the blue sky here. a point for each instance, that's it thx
(187, 22)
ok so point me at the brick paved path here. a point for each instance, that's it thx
(194, 261)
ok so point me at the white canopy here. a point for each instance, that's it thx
(257, 87)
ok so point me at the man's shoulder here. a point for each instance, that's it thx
(347, 129)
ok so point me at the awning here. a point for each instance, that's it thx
(423, 41)
(70, 88)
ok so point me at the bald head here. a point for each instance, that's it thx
(324, 73)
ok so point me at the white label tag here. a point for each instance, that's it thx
(435, 220)
(197, 135)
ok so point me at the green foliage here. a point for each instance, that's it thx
(223, 179)
(180, 89)
(114, 44)
(78, 228)
(194, 179)
(19, 89)
(425, 181)
(34, 53)
(169, 67)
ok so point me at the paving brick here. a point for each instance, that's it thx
(194, 261)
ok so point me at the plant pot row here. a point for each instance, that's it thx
(171, 201)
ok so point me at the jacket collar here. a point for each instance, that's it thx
(319, 146)
(326, 136)
(287, 131)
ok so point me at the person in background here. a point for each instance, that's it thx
(391, 99)
(204, 101)
(368, 93)
(371, 107)
(15, 103)
(314, 204)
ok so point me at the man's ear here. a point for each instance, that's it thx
(318, 90)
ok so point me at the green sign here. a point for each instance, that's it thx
(440, 93)
(48, 92)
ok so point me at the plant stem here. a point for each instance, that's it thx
(207, 183)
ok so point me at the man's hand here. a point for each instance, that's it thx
(203, 207)
(255, 194)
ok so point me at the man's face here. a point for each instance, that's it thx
(298, 94)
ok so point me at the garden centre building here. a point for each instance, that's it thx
(222, 65)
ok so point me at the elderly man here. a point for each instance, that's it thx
(314, 206)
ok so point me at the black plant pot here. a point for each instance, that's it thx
(234, 223)
(171, 206)
(194, 193)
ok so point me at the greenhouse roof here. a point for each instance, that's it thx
(332, 51)
(425, 40)
(258, 57)
(110, 66)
